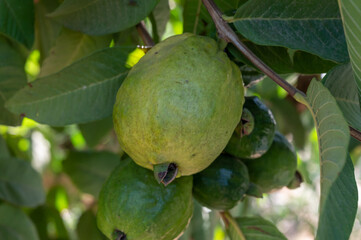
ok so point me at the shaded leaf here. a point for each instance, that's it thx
(161, 16)
(251, 228)
(20, 184)
(82, 92)
(89, 170)
(88, 16)
(4, 151)
(340, 82)
(311, 26)
(333, 137)
(337, 223)
(69, 47)
(46, 29)
(42, 217)
(351, 10)
(12, 78)
(17, 20)
(94, 132)
(14, 222)
(87, 228)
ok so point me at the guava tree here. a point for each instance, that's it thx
(62, 63)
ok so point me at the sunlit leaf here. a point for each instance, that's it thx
(17, 20)
(100, 17)
(82, 92)
(15, 224)
(69, 47)
(20, 184)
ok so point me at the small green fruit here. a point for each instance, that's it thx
(276, 168)
(133, 206)
(221, 185)
(254, 134)
(178, 106)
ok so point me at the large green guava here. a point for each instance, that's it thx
(179, 106)
(276, 168)
(221, 185)
(133, 206)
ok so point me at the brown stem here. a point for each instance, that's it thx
(225, 32)
(143, 33)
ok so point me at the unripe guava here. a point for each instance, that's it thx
(179, 106)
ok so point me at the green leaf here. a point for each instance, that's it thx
(94, 132)
(46, 29)
(69, 47)
(351, 10)
(340, 82)
(17, 223)
(4, 151)
(45, 215)
(308, 25)
(82, 92)
(20, 184)
(17, 20)
(337, 220)
(89, 170)
(281, 61)
(251, 228)
(161, 16)
(99, 17)
(87, 228)
(333, 137)
(12, 78)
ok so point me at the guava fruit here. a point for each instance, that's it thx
(276, 168)
(133, 206)
(221, 185)
(178, 106)
(254, 134)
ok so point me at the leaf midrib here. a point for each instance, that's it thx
(69, 92)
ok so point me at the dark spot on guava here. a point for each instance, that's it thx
(30, 85)
(156, 53)
(193, 155)
(119, 235)
(187, 81)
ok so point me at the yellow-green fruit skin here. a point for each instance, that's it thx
(179, 104)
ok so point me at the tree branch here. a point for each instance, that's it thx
(225, 32)
(143, 33)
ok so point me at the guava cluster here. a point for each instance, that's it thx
(188, 133)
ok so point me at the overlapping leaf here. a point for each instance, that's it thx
(94, 132)
(12, 78)
(340, 82)
(82, 92)
(87, 227)
(252, 228)
(20, 184)
(17, 20)
(308, 25)
(98, 17)
(333, 137)
(15, 224)
(89, 170)
(337, 220)
(69, 47)
(351, 11)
